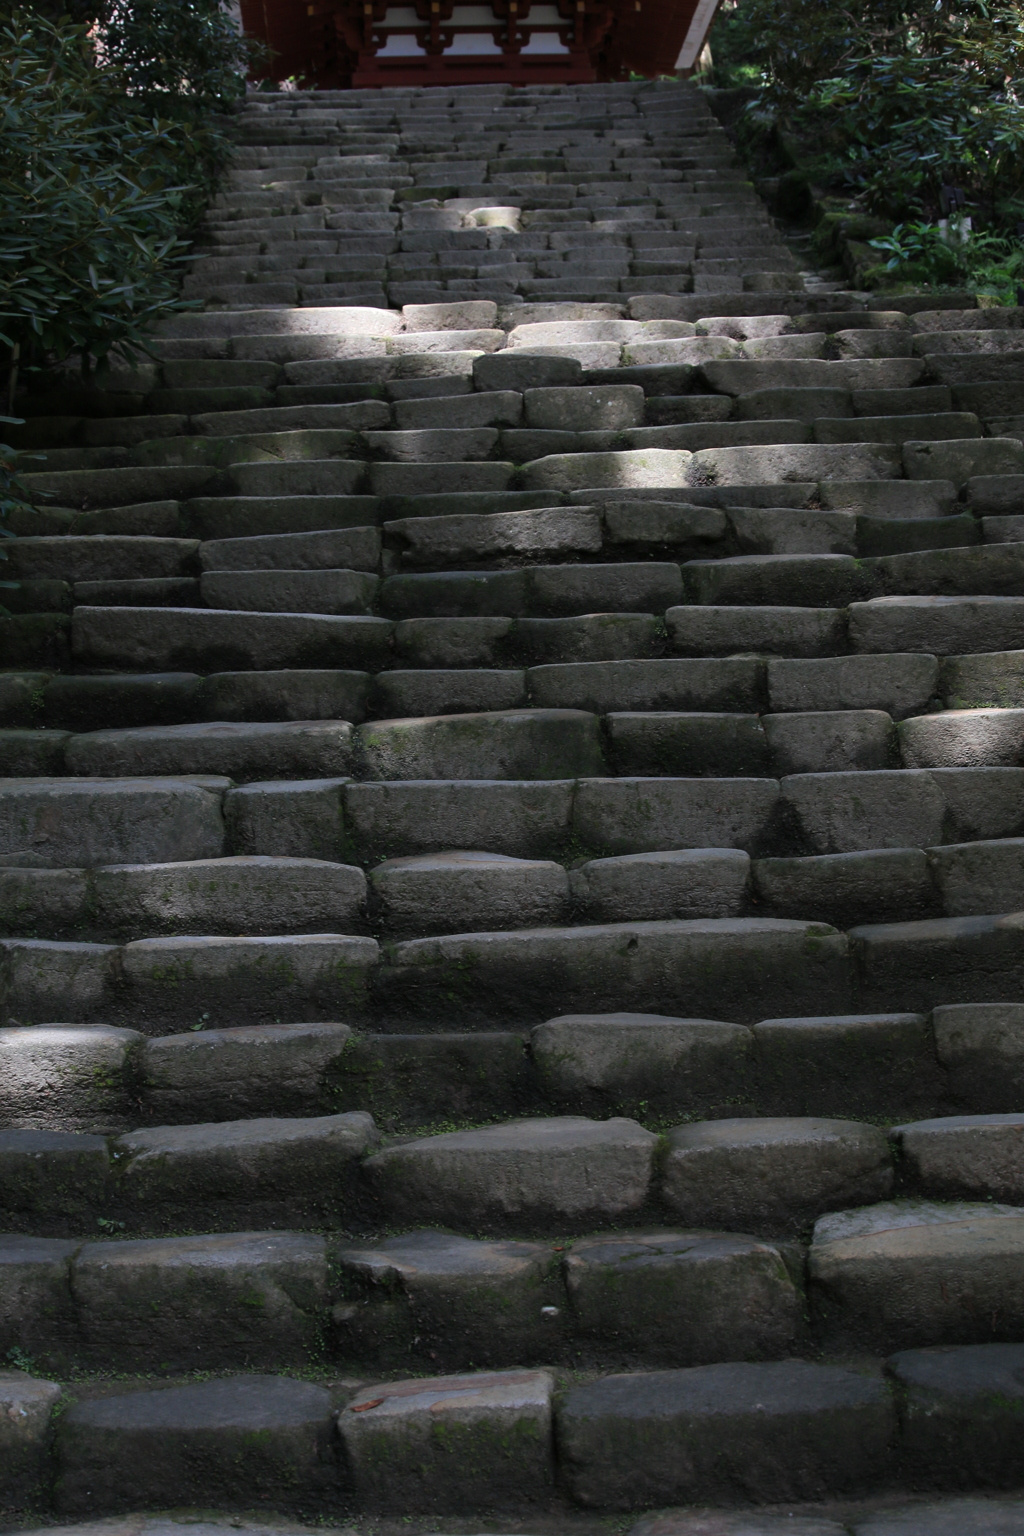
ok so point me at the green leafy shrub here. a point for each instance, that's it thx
(889, 100)
(925, 254)
(111, 139)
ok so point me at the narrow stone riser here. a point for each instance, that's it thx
(743, 968)
(455, 892)
(550, 744)
(773, 1176)
(619, 1443)
(103, 1079)
(267, 1301)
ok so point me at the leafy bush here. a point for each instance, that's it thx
(110, 142)
(892, 99)
(925, 254)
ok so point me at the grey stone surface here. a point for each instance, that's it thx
(243, 894)
(716, 630)
(223, 1074)
(867, 1064)
(648, 815)
(241, 751)
(286, 818)
(983, 876)
(233, 1440)
(67, 1077)
(772, 1175)
(410, 1079)
(981, 1046)
(637, 1059)
(912, 1273)
(562, 1170)
(288, 694)
(188, 1303)
(676, 742)
(503, 744)
(964, 1156)
(497, 1424)
(212, 640)
(744, 967)
(37, 1314)
(830, 741)
(780, 1431)
(735, 683)
(897, 684)
(462, 891)
(402, 1294)
(748, 1523)
(524, 819)
(305, 1166)
(174, 983)
(26, 1409)
(981, 1516)
(685, 882)
(57, 823)
(284, 591)
(683, 1298)
(961, 1414)
(43, 977)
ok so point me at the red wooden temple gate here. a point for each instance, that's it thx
(336, 44)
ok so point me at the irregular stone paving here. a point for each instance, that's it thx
(512, 858)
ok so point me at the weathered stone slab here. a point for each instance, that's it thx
(60, 823)
(683, 1298)
(772, 1175)
(174, 983)
(619, 1059)
(427, 1446)
(26, 1411)
(647, 815)
(465, 891)
(67, 1077)
(37, 1314)
(961, 1415)
(514, 744)
(193, 1303)
(684, 882)
(522, 819)
(240, 750)
(232, 1440)
(867, 1064)
(287, 818)
(964, 1156)
(553, 1171)
(403, 1295)
(228, 1074)
(981, 1046)
(910, 1273)
(303, 1167)
(43, 1174)
(744, 967)
(41, 978)
(718, 1433)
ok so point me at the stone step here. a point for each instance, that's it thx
(761, 565)
(153, 1440)
(198, 638)
(452, 891)
(73, 823)
(767, 1175)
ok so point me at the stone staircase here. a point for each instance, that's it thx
(512, 860)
